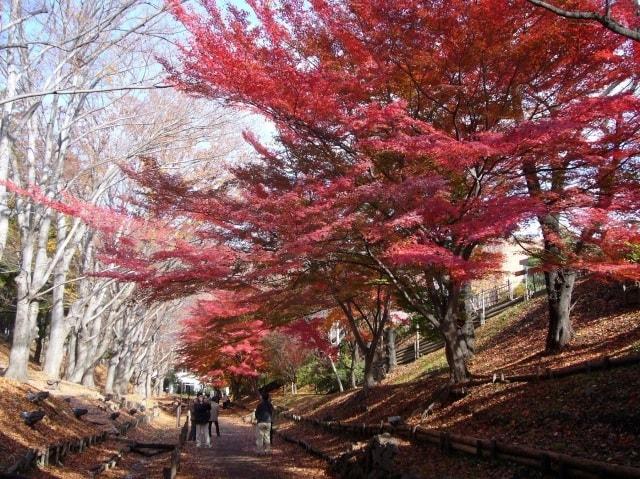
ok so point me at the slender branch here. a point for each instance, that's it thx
(604, 20)
(18, 21)
(83, 92)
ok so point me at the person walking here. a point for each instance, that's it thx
(226, 402)
(201, 414)
(213, 416)
(192, 415)
(264, 416)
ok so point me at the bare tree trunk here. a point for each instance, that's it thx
(560, 284)
(19, 355)
(22, 329)
(148, 390)
(88, 378)
(71, 353)
(124, 371)
(335, 371)
(82, 357)
(111, 374)
(58, 330)
(159, 385)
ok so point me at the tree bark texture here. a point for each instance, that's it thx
(390, 340)
(559, 284)
(352, 371)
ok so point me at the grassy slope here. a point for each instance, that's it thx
(591, 415)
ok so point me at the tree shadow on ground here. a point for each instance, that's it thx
(598, 318)
(593, 415)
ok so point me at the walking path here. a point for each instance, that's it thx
(233, 456)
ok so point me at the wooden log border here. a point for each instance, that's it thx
(173, 468)
(306, 446)
(54, 453)
(600, 364)
(106, 465)
(545, 460)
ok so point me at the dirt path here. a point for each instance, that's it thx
(232, 456)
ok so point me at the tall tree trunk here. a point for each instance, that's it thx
(59, 329)
(369, 372)
(81, 356)
(148, 390)
(335, 371)
(23, 329)
(124, 371)
(456, 347)
(157, 385)
(468, 328)
(55, 349)
(390, 340)
(71, 353)
(352, 370)
(559, 284)
(41, 328)
(19, 355)
(111, 374)
(88, 378)
(10, 88)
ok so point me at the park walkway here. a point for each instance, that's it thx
(232, 456)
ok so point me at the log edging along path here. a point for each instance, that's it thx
(54, 453)
(307, 447)
(547, 461)
(594, 365)
(171, 471)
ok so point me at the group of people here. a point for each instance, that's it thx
(205, 412)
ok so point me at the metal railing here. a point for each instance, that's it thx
(484, 304)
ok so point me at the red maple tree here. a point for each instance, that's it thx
(397, 120)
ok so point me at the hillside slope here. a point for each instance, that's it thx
(590, 415)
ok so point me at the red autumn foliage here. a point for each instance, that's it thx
(418, 132)
(410, 134)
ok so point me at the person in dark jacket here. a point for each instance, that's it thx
(264, 416)
(201, 416)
